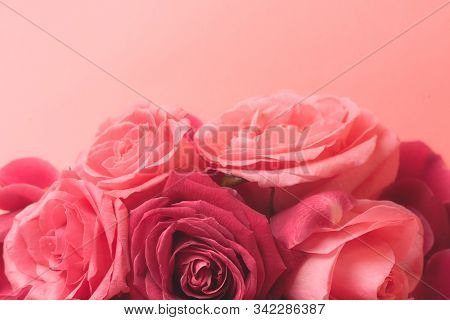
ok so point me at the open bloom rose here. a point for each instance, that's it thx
(199, 241)
(346, 249)
(72, 244)
(134, 152)
(306, 146)
(423, 186)
(22, 182)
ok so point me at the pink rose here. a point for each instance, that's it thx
(22, 182)
(133, 153)
(5, 225)
(420, 162)
(280, 141)
(346, 249)
(423, 186)
(72, 244)
(435, 283)
(199, 241)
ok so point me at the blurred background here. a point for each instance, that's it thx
(206, 55)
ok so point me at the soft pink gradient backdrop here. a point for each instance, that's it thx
(206, 55)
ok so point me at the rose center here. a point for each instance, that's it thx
(122, 148)
(201, 277)
(394, 286)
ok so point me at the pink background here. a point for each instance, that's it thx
(206, 55)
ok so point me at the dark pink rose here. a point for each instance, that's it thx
(418, 161)
(423, 185)
(134, 153)
(349, 249)
(71, 244)
(284, 145)
(22, 182)
(199, 241)
(436, 281)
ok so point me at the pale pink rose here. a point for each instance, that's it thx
(72, 244)
(319, 144)
(342, 248)
(134, 152)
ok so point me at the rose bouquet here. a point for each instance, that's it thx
(282, 197)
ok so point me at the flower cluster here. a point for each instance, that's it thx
(280, 198)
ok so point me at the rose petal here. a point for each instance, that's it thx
(415, 194)
(436, 281)
(417, 160)
(33, 171)
(312, 280)
(18, 196)
(296, 224)
(361, 269)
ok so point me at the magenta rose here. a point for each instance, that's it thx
(71, 244)
(134, 152)
(22, 182)
(423, 185)
(340, 248)
(199, 241)
(283, 145)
